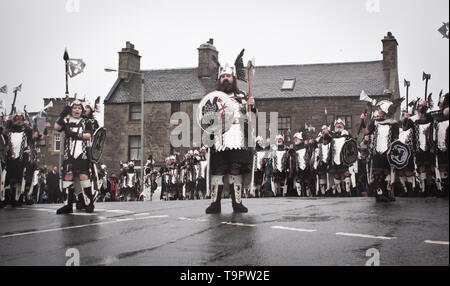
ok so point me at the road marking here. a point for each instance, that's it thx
(78, 226)
(152, 216)
(54, 229)
(364, 235)
(436, 242)
(237, 223)
(124, 219)
(293, 229)
(142, 214)
(192, 219)
(83, 214)
(119, 211)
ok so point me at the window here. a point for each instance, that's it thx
(348, 121)
(284, 127)
(288, 84)
(57, 142)
(134, 149)
(135, 112)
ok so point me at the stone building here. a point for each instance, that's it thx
(299, 93)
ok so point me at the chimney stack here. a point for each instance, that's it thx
(130, 60)
(390, 67)
(389, 52)
(207, 67)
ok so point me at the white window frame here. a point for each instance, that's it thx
(57, 138)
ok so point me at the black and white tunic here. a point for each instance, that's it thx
(75, 150)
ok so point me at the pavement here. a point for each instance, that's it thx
(275, 232)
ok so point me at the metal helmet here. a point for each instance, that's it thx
(87, 103)
(384, 105)
(279, 136)
(339, 120)
(227, 69)
(196, 152)
(324, 127)
(19, 112)
(77, 102)
(298, 135)
(103, 167)
(131, 164)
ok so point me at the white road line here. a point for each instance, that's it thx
(152, 216)
(293, 229)
(192, 219)
(364, 235)
(119, 211)
(237, 223)
(78, 226)
(436, 242)
(54, 229)
(124, 219)
(83, 214)
(142, 214)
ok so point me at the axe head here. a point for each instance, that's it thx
(426, 76)
(364, 97)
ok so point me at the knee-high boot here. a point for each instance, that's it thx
(216, 195)
(67, 209)
(236, 194)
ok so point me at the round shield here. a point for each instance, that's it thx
(398, 155)
(97, 144)
(215, 112)
(349, 152)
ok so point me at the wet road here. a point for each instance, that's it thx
(276, 231)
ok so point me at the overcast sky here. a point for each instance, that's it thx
(167, 34)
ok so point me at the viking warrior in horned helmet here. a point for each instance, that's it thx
(441, 143)
(323, 160)
(202, 173)
(338, 168)
(300, 149)
(230, 155)
(279, 174)
(19, 141)
(406, 175)
(423, 131)
(262, 156)
(78, 132)
(385, 130)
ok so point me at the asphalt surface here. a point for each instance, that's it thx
(275, 232)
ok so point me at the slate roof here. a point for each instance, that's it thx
(316, 80)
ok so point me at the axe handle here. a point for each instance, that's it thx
(249, 93)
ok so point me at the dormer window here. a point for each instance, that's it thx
(288, 84)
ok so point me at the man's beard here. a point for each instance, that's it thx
(18, 123)
(226, 87)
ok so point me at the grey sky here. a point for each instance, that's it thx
(167, 34)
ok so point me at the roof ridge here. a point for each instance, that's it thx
(322, 64)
